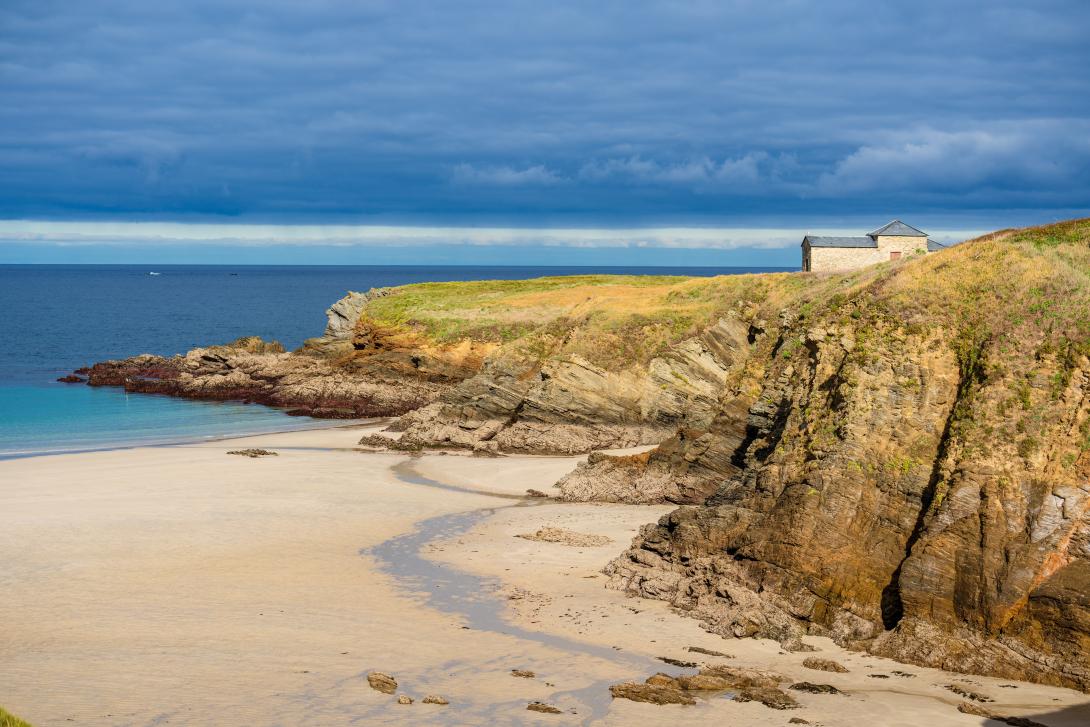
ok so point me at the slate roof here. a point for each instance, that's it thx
(898, 228)
(816, 241)
(933, 246)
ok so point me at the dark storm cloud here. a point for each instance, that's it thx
(538, 113)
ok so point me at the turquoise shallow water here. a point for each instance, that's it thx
(78, 418)
(56, 318)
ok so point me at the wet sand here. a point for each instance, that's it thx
(179, 585)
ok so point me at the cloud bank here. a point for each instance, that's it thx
(165, 234)
(529, 114)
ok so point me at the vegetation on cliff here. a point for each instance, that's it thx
(910, 474)
(586, 362)
(611, 321)
(1007, 284)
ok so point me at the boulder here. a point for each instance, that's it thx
(770, 697)
(819, 664)
(812, 688)
(651, 693)
(542, 707)
(382, 682)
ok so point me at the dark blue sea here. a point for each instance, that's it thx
(56, 318)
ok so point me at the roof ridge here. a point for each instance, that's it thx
(897, 228)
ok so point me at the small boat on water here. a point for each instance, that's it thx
(154, 273)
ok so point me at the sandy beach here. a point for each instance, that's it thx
(180, 585)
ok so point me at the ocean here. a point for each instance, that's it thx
(56, 318)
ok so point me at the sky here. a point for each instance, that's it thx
(706, 132)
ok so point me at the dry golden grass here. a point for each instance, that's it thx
(7, 719)
(1028, 285)
(1014, 306)
(608, 319)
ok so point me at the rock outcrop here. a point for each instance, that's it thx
(565, 537)
(435, 699)
(819, 664)
(749, 685)
(913, 476)
(343, 315)
(567, 405)
(254, 453)
(252, 372)
(543, 708)
(685, 469)
(350, 372)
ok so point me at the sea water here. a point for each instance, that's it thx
(56, 318)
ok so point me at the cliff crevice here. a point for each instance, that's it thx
(914, 475)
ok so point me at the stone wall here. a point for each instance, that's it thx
(832, 259)
(907, 246)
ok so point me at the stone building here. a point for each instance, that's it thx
(890, 242)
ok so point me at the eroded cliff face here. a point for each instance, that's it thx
(914, 474)
(685, 469)
(566, 405)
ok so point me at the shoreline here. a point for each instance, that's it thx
(458, 591)
(308, 427)
(253, 591)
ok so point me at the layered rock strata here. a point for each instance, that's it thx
(913, 478)
(566, 405)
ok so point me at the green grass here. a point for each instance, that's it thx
(609, 320)
(613, 321)
(488, 308)
(7, 719)
(1015, 293)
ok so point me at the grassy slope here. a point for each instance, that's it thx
(1022, 292)
(8, 719)
(1015, 307)
(1013, 288)
(612, 321)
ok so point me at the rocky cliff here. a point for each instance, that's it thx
(565, 404)
(579, 363)
(552, 365)
(911, 475)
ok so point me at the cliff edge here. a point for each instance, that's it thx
(911, 475)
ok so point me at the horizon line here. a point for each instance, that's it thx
(128, 233)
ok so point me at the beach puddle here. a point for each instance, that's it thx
(477, 601)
